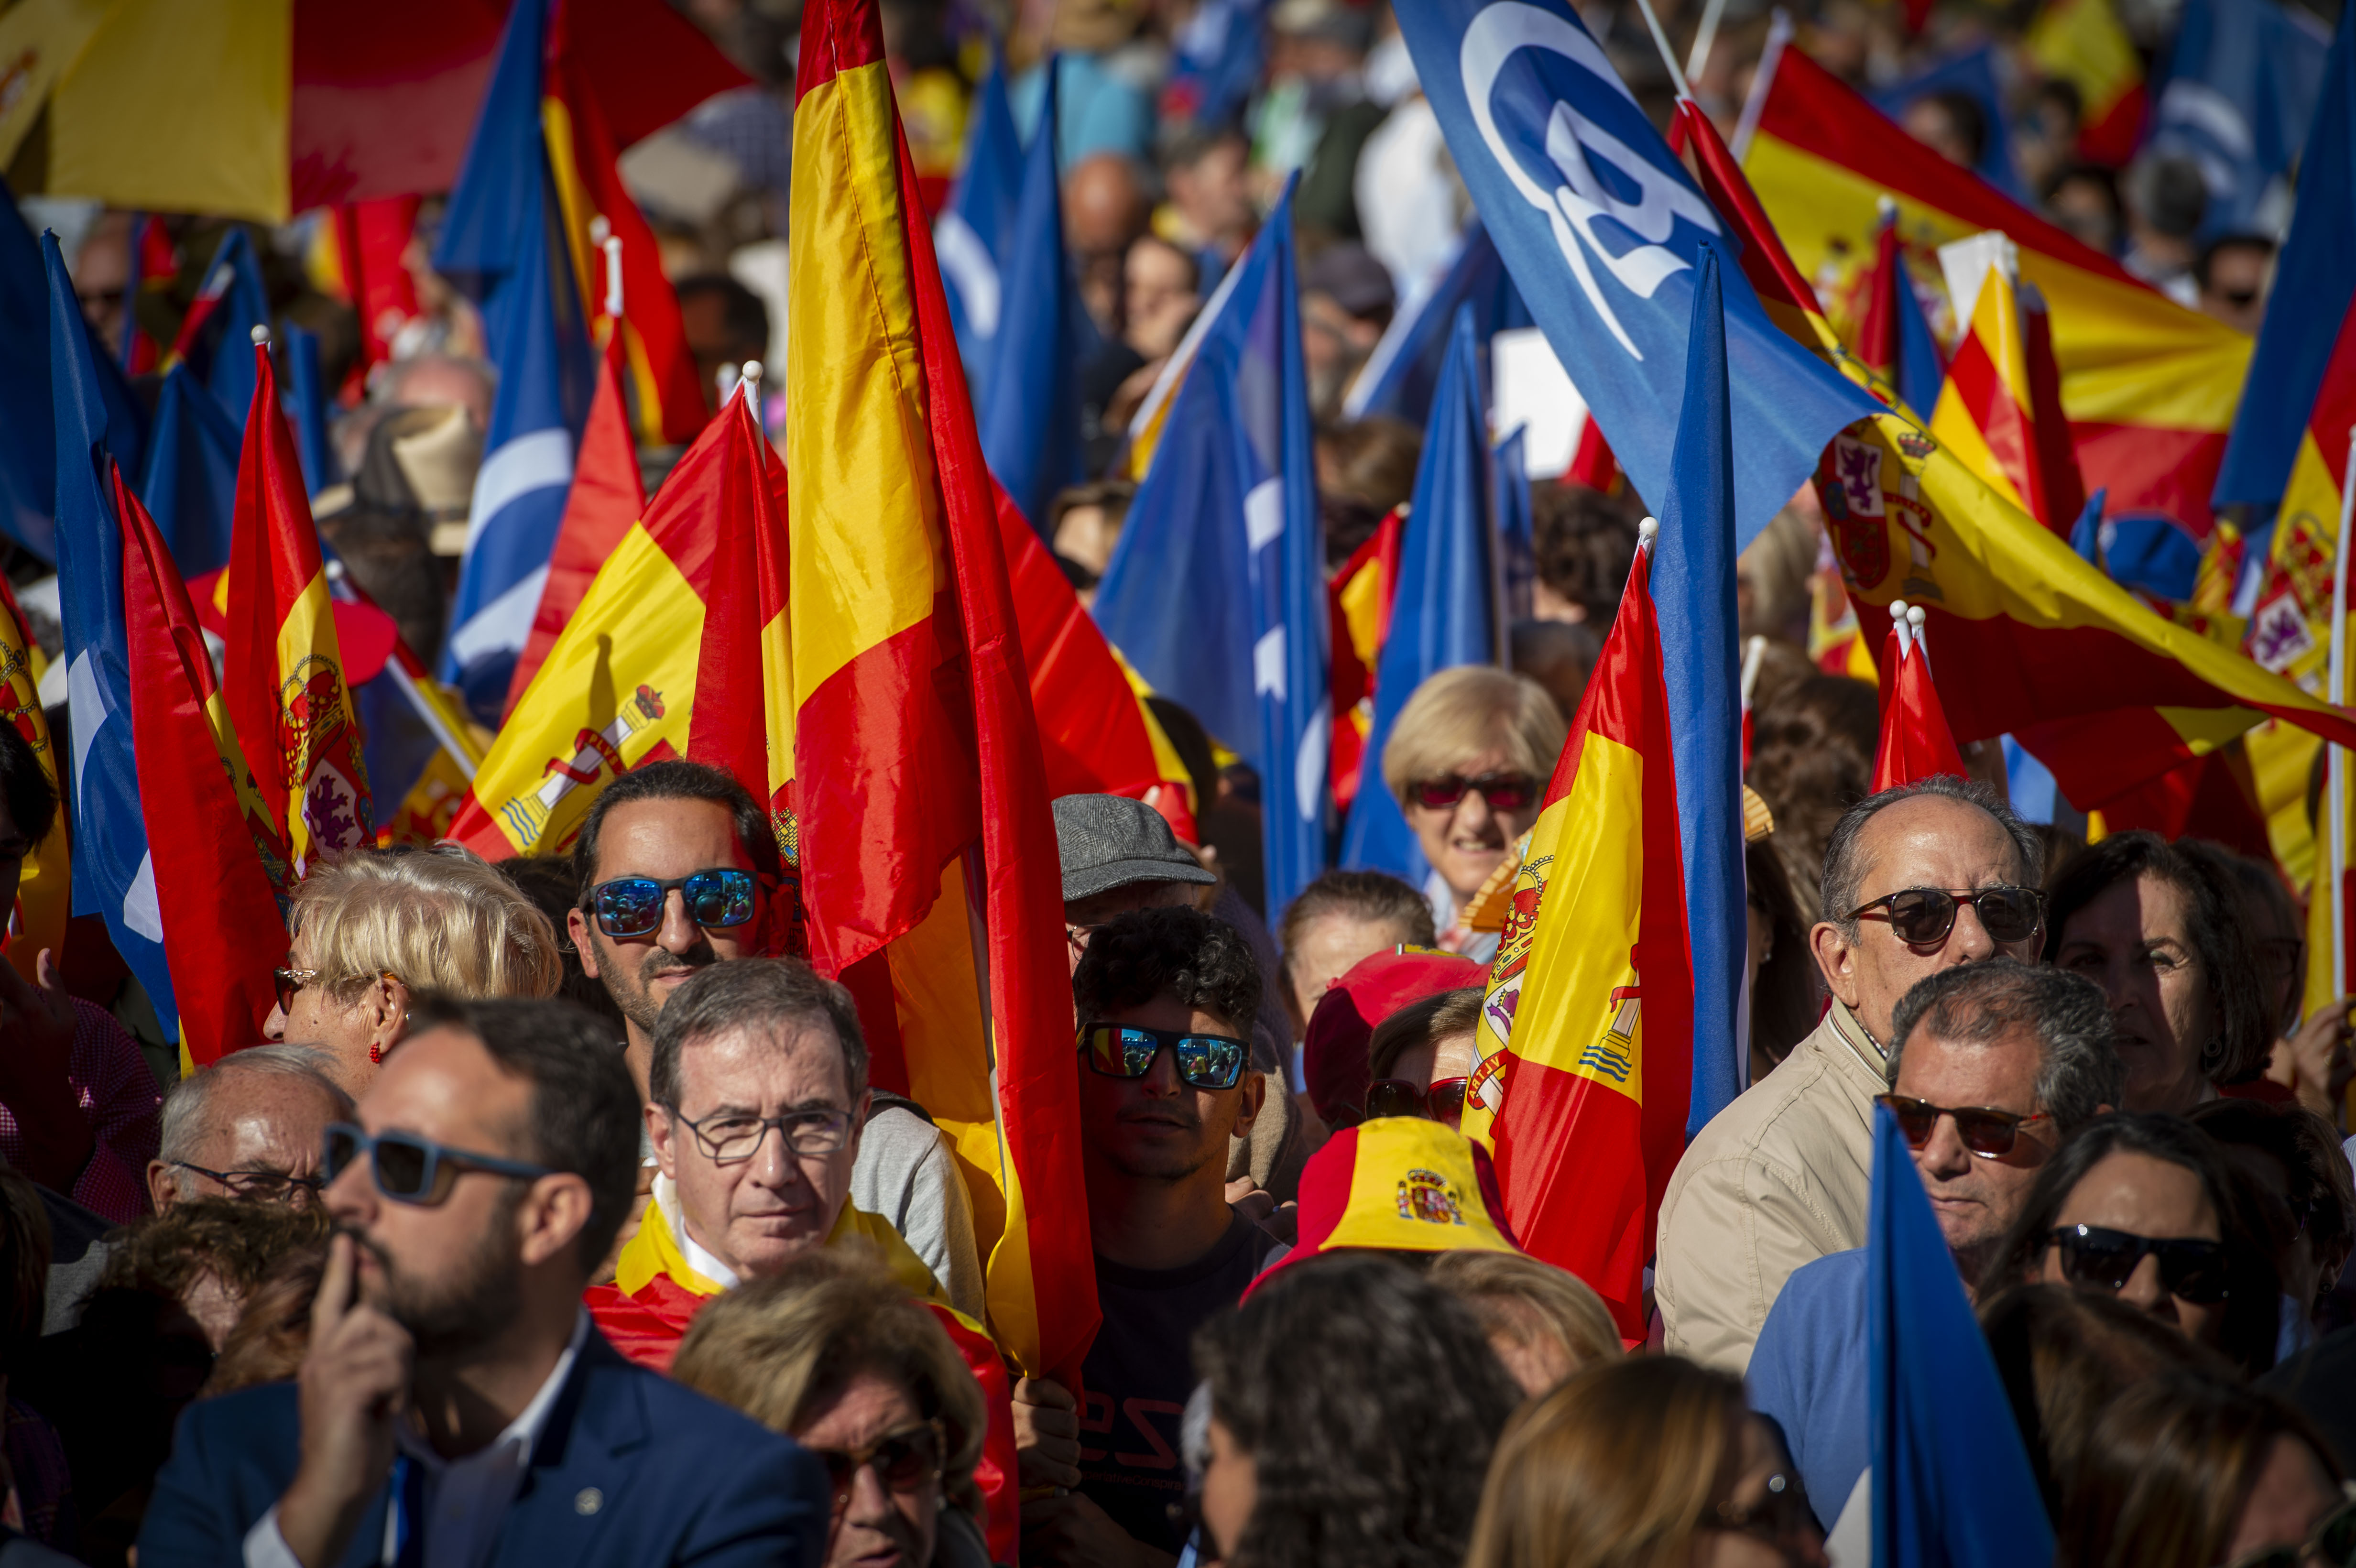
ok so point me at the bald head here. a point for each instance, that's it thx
(1104, 205)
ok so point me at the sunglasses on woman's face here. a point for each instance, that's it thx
(2190, 1269)
(1504, 792)
(904, 1460)
(2332, 1541)
(1921, 917)
(1443, 1102)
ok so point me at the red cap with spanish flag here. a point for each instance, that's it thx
(1397, 1184)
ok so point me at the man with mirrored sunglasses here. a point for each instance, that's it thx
(1922, 877)
(1165, 999)
(1991, 1066)
(456, 1405)
(758, 1106)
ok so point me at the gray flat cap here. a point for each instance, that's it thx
(1109, 841)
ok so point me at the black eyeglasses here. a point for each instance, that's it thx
(2190, 1269)
(2332, 1541)
(728, 1138)
(1985, 1131)
(1127, 1051)
(411, 1169)
(1504, 792)
(1443, 1102)
(633, 906)
(262, 1186)
(904, 1460)
(1921, 917)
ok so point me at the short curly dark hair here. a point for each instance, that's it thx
(1584, 542)
(1375, 1471)
(1204, 963)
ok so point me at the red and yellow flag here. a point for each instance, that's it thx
(45, 890)
(916, 772)
(2148, 386)
(1990, 412)
(2082, 42)
(1359, 602)
(210, 834)
(284, 671)
(1586, 1060)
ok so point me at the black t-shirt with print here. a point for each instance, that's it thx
(1139, 1372)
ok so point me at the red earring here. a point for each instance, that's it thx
(376, 1053)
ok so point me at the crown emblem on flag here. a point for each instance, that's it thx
(1426, 1195)
(310, 716)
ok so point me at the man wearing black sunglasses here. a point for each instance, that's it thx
(1917, 879)
(1991, 1066)
(454, 1400)
(1166, 998)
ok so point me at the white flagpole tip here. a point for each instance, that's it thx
(1646, 530)
(1884, 207)
(261, 336)
(752, 370)
(1915, 616)
(598, 231)
(1898, 609)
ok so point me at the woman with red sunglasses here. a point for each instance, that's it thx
(1420, 1057)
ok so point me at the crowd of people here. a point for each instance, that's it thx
(555, 1218)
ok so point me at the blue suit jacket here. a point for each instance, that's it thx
(631, 1471)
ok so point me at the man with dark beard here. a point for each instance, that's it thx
(455, 1405)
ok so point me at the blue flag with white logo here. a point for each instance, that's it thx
(1952, 1483)
(1601, 226)
(113, 874)
(190, 485)
(503, 243)
(1403, 368)
(970, 235)
(2236, 96)
(1444, 608)
(1693, 594)
(1029, 407)
(1215, 594)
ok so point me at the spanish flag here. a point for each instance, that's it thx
(2148, 386)
(1999, 408)
(45, 890)
(929, 860)
(2082, 42)
(1582, 1103)
(1916, 742)
(284, 671)
(217, 874)
(1359, 601)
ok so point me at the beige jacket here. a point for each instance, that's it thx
(1776, 1179)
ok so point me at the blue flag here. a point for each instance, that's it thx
(1444, 611)
(1693, 592)
(503, 243)
(1921, 370)
(1973, 74)
(114, 875)
(1516, 526)
(218, 347)
(28, 435)
(1215, 594)
(1030, 409)
(1951, 1485)
(970, 235)
(2236, 96)
(1221, 53)
(190, 485)
(309, 396)
(1602, 228)
(1400, 374)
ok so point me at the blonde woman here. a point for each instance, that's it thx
(1643, 1461)
(839, 1358)
(1468, 761)
(1545, 1323)
(371, 928)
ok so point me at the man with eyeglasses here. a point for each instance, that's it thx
(1917, 879)
(757, 1104)
(251, 1125)
(1992, 1067)
(679, 870)
(1165, 998)
(454, 1405)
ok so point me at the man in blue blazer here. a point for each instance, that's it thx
(454, 1408)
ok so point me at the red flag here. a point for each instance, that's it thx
(1916, 743)
(223, 930)
(607, 497)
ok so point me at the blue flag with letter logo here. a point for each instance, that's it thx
(1600, 225)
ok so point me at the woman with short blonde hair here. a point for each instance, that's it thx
(1545, 1323)
(370, 928)
(1641, 1462)
(1468, 761)
(835, 1355)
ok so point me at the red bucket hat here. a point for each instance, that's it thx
(1333, 1057)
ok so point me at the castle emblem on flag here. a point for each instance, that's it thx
(1850, 486)
(1425, 1195)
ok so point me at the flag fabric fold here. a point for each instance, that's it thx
(972, 233)
(1532, 110)
(1583, 1079)
(190, 483)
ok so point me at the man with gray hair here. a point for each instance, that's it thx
(250, 1126)
(1919, 878)
(1992, 1067)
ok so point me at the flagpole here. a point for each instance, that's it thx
(1704, 36)
(2337, 755)
(1668, 55)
